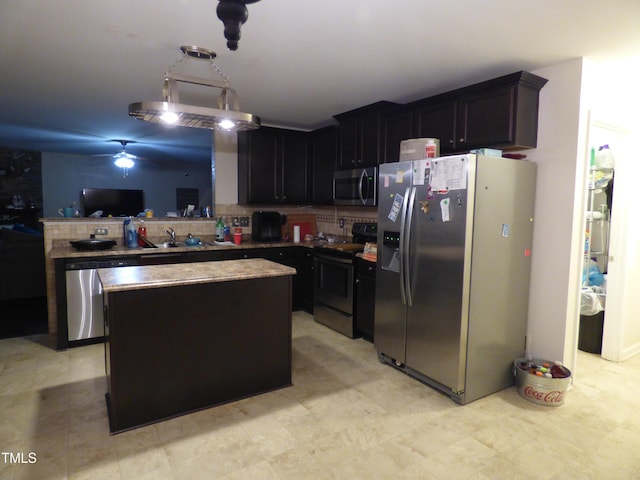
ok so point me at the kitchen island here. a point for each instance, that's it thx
(183, 337)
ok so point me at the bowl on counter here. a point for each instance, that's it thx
(93, 243)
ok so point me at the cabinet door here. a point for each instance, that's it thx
(307, 280)
(365, 299)
(261, 166)
(349, 143)
(395, 128)
(293, 174)
(369, 126)
(487, 118)
(437, 120)
(324, 153)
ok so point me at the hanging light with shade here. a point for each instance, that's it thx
(169, 111)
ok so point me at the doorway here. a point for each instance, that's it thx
(610, 263)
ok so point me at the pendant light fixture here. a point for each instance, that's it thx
(169, 111)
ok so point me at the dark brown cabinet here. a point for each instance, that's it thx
(196, 346)
(365, 297)
(273, 166)
(324, 154)
(396, 126)
(436, 118)
(359, 140)
(306, 273)
(499, 113)
(284, 255)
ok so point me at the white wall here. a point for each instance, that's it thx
(226, 166)
(621, 337)
(555, 273)
(567, 102)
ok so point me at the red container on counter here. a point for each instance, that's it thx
(237, 235)
(142, 232)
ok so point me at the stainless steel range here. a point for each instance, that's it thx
(334, 279)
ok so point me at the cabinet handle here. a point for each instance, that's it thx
(451, 141)
(461, 140)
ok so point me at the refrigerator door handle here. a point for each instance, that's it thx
(401, 246)
(407, 240)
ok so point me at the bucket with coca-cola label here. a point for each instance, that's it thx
(541, 381)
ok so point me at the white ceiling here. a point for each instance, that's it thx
(69, 68)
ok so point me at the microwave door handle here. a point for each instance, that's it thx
(401, 246)
(362, 177)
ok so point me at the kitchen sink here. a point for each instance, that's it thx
(168, 245)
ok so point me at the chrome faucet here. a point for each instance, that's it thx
(172, 235)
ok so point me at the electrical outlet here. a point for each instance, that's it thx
(244, 221)
(236, 222)
(102, 231)
(341, 222)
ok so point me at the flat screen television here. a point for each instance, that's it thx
(114, 202)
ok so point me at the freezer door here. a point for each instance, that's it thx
(394, 182)
(435, 323)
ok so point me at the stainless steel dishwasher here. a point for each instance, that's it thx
(85, 316)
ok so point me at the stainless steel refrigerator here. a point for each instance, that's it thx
(452, 276)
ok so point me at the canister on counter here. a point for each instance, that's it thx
(237, 235)
(142, 232)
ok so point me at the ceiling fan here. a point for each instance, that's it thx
(124, 159)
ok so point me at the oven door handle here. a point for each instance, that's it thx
(331, 259)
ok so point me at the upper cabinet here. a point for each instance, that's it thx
(359, 136)
(436, 118)
(396, 126)
(324, 155)
(500, 113)
(273, 166)
(278, 166)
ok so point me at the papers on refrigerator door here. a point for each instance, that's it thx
(395, 207)
(444, 208)
(449, 174)
(421, 171)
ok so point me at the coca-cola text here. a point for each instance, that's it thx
(553, 396)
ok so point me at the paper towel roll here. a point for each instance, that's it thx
(296, 234)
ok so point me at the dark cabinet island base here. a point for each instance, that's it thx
(172, 350)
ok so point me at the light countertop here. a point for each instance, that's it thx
(65, 250)
(155, 276)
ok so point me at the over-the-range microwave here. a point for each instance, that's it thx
(356, 187)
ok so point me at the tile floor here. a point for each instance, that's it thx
(346, 417)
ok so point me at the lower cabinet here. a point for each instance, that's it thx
(287, 256)
(365, 297)
(306, 272)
